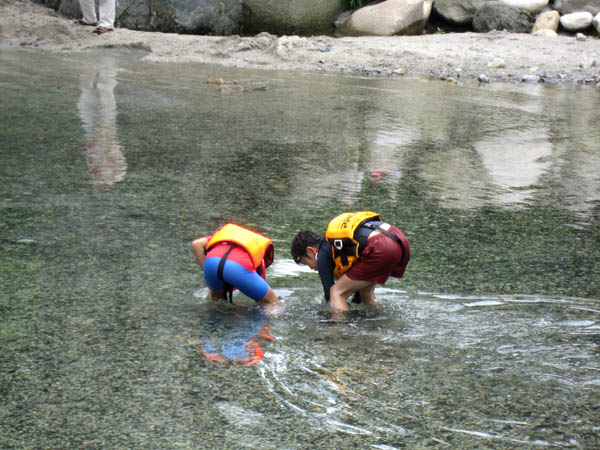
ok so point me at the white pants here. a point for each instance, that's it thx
(106, 12)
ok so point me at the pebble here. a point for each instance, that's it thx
(497, 64)
(214, 80)
(545, 32)
(26, 242)
(231, 88)
(530, 79)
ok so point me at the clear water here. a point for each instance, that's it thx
(110, 167)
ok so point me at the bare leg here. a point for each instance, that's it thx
(345, 287)
(367, 295)
(215, 296)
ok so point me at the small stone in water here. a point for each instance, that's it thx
(26, 242)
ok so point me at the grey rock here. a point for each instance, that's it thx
(219, 17)
(459, 12)
(499, 16)
(577, 21)
(292, 16)
(571, 6)
(388, 18)
(528, 6)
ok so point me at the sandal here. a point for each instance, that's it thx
(81, 22)
(102, 30)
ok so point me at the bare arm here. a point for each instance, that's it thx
(199, 249)
(270, 299)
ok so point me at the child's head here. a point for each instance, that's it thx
(302, 241)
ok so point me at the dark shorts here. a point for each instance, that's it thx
(382, 257)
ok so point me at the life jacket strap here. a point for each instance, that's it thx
(388, 234)
(228, 287)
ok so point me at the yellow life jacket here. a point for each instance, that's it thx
(340, 234)
(259, 247)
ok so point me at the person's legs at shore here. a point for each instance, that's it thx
(106, 10)
(88, 11)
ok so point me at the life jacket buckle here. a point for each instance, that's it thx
(338, 244)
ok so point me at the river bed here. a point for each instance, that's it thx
(110, 168)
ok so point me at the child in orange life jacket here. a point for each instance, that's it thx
(359, 250)
(236, 257)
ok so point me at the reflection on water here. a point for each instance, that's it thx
(515, 162)
(233, 334)
(489, 341)
(98, 110)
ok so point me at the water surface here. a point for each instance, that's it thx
(111, 166)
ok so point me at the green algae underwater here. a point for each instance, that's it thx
(112, 166)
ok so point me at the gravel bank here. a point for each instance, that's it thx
(460, 57)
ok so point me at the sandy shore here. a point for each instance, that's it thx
(464, 57)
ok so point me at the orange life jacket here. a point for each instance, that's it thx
(259, 247)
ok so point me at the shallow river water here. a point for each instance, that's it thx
(110, 167)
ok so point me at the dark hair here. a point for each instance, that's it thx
(301, 241)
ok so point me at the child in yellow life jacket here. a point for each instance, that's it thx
(236, 257)
(359, 250)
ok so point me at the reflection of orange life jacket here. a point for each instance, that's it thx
(259, 247)
(340, 234)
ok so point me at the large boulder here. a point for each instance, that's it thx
(388, 18)
(529, 6)
(220, 17)
(459, 12)
(292, 16)
(571, 6)
(548, 20)
(496, 15)
(577, 21)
